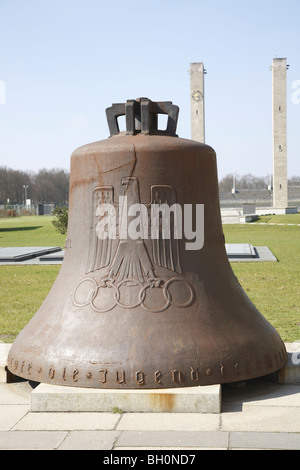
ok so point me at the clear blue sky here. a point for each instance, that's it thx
(64, 61)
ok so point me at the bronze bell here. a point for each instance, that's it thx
(160, 308)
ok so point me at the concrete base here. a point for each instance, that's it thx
(14, 254)
(4, 350)
(290, 374)
(237, 216)
(276, 210)
(206, 399)
(262, 253)
(239, 219)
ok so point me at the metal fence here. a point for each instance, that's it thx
(15, 210)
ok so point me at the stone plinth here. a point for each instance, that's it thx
(201, 399)
(291, 372)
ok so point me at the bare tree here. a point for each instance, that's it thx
(47, 186)
(244, 182)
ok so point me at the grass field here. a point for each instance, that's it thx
(274, 287)
(23, 288)
(29, 231)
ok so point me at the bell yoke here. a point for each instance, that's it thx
(145, 297)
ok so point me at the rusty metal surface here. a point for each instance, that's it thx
(144, 313)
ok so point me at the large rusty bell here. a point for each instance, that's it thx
(145, 297)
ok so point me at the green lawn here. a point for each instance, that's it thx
(22, 291)
(274, 287)
(29, 231)
(23, 288)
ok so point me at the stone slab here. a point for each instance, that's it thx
(17, 393)
(291, 372)
(263, 417)
(11, 415)
(239, 250)
(57, 256)
(31, 262)
(76, 421)
(31, 440)
(89, 440)
(262, 253)
(203, 399)
(169, 422)
(264, 440)
(235, 217)
(276, 210)
(171, 439)
(37, 255)
(4, 350)
(24, 253)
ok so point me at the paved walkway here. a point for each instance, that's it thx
(259, 415)
(275, 223)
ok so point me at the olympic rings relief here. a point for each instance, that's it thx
(107, 282)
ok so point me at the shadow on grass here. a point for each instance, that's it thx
(19, 229)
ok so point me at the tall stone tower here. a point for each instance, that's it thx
(280, 189)
(197, 73)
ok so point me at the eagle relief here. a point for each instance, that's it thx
(129, 243)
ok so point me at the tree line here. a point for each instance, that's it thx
(45, 186)
(52, 186)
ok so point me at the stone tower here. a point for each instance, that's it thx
(280, 189)
(197, 73)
